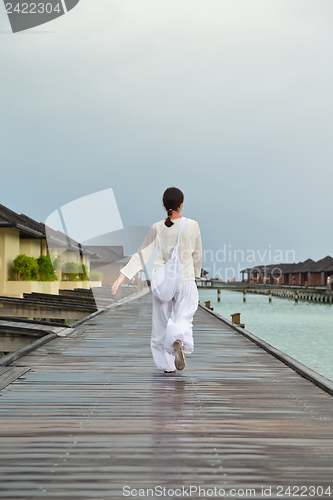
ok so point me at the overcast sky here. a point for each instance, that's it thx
(231, 101)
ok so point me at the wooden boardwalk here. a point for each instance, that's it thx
(92, 414)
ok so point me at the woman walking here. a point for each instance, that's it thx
(172, 335)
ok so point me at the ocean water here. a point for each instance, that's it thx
(304, 330)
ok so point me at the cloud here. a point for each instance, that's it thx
(231, 101)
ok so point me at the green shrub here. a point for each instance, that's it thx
(71, 271)
(25, 268)
(46, 270)
(43, 269)
(75, 272)
(55, 259)
(83, 274)
(96, 276)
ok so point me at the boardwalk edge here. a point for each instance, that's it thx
(13, 356)
(306, 372)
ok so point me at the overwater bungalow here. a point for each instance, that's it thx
(307, 273)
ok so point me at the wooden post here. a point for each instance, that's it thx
(207, 304)
(296, 297)
(244, 295)
(270, 297)
(218, 295)
(236, 318)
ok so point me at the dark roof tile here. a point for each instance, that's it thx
(105, 254)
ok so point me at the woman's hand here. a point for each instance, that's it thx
(117, 283)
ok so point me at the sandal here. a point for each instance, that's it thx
(179, 355)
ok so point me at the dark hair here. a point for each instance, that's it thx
(172, 199)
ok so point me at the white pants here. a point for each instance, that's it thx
(173, 321)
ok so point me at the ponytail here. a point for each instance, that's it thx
(169, 222)
(172, 199)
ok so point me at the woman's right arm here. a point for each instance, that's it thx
(117, 283)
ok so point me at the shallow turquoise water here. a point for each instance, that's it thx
(304, 330)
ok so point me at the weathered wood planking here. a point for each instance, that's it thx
(10, 373)
(94, 414)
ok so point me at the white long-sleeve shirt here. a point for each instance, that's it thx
(165, 239)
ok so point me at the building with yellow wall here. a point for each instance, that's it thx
(19, 234)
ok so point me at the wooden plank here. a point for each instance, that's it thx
(12, 373)
(94, 414)
(3, 369)
(9, 358)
